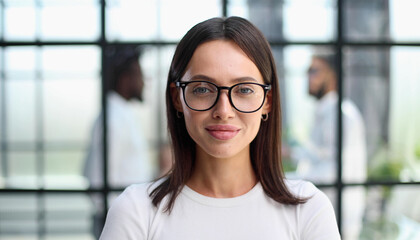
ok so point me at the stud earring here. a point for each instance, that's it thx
(264, 117)
(179, 114)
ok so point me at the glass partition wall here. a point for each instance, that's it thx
(359, 141)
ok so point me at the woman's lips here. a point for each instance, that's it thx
(223, 132)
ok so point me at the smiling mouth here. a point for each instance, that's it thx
(223, 132)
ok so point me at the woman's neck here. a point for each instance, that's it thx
(222, 178)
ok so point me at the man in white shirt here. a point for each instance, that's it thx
(128, 151)
(319, 164)
(317, 159)
(128, 160)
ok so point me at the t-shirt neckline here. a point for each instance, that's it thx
(222, 202)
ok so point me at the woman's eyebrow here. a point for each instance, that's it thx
(207, 78)
(201, 77)
(245, 79)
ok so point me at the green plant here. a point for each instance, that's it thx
(417, 151)
(385, 166)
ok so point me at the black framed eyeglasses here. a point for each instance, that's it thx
(245, 97)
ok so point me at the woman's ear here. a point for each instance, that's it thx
(267, 103)
(176, 97)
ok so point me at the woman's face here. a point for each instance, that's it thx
(222, 131)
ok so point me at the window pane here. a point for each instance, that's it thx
(2, 18)
(404, 126)
(391, 114)
(19, 2)
(404, 18)
(20, 62)
(390, 213)
(309, 20)
(124, 18)
(2, 114)
(164, 152)
(153, 97)
(93, 160)
(51, 216)
(62, 169)
(266, 15)
(62, 62)
(2, 96)
(2, 170)
(166, 20)
(309, 115)
(58, 21)
(51, 20)
(353, 212)
(96, 214)
(290, 20)
(22, 171)
(65, 99)
(20, 93)
(381, 20)
(176, 18)
(69, 216)
(366, 71)
(21, 110)
(20, 20)
(71, 92)
(155, 62)
(19, 216)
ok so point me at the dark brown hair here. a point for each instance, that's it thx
(265, 149)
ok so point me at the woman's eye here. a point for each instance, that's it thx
(201, 90)
(245, 90)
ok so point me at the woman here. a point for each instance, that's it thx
(223, 113)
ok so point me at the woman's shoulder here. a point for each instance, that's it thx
(138, 193)
(316, 216)
(301, 188)
(315, 198)
(134, 197)
(130, 213)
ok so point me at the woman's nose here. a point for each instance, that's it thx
(223, 108)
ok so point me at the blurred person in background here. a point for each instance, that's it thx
(128, 151)
(320, 163)
(317, 159)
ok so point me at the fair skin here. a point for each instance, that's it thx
(222, 134)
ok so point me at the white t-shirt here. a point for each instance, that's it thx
(253, 215)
